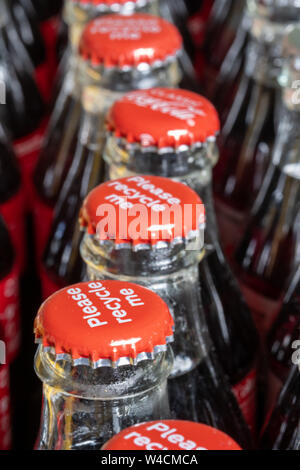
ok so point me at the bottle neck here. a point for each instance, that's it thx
(170, 272)
(192, 167)
(84, 407)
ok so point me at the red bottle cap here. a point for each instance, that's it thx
(128, 41)
(104, 323)
(171, 435)
(164, 117)
(143, 211)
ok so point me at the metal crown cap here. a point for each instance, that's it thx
(111, 6)
(104, 324)
(171, 435)
(143, 212)
(164, 118)
(129, 41)
(291, 42)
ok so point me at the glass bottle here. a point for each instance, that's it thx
(5, 418)
(144, 145)
(60, 140)
(116, 67)
(9, 295)
(198, 17)
(104, 367)
(23, 111)
(145, 230)
(27, 25)
(223, 50)
(171, 435)
(268, 252)
(282, 430)
(284, 332)
(248, 135)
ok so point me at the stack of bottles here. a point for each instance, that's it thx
(149, 224)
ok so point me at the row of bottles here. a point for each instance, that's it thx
(197, 388)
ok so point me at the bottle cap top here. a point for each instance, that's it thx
(129, 41)
(111, 3)
(171, 435)
(104, 324)
(164, 118)
(144, 212)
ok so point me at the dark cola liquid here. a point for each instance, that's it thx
(177, 12)
(11, 198)
(62, 259)
(203, 396)
(7, 251)
(24, 107)
(272, 230)
(9, 170)
(223, 50)
(27, 25)
(269, 278)
(285, 331)
(282, 431)
(228, 318)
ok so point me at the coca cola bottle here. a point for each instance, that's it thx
(249, 131)
(282, 337)
(282, 430)
(104, 364)
(27, 25)
(113, 43)
(173, 133)
(5, 421)
(223, 51)
(24, 110)
(269, 251)
(9, 295)
(11, 197)
(171, 435)
(149, 230)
